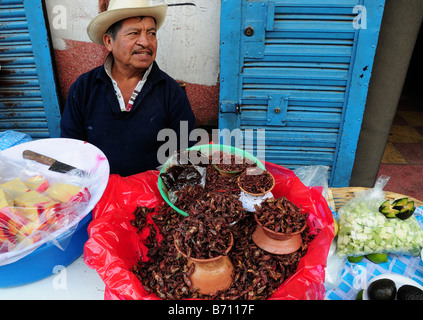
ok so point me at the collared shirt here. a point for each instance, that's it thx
(130, 140)
(108, 67)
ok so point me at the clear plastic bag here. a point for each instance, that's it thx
(180, 171)
(35, 206)
(249, 201)
(334, 268)
(314, 176)
(364, 230)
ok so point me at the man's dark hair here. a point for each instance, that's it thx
(114, 28)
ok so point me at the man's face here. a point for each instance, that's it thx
(135, 45)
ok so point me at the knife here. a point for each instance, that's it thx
(55, 165)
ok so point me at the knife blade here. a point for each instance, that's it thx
(54, 164)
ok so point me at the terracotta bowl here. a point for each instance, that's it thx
(227, 174)
(256, 194)
(211, 275)
(276, 242)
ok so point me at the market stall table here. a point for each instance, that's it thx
(74, 282)
(78, 281)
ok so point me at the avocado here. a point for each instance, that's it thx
(382, 289)
(359, 295)
(409, 292)
(399, 203)
(406, 211)
(384, 204)
(400, 208)
(387, 209)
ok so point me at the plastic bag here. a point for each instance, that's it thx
(179, 171)
(314, 176)
(364, 230)
(114, 246)
(10, 138)
(249, 201)
(35, 206)
(334, 268)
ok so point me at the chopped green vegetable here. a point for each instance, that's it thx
(363, 230)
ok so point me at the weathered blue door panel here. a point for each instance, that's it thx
(28, 93)
(299, 71)
(356, 93)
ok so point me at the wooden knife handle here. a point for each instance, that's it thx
(31, 155)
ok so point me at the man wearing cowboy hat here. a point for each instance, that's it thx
(121, 106)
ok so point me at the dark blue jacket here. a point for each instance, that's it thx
(128, 139)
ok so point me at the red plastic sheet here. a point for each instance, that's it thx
(114, 246)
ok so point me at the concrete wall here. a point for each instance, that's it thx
(188, 47)
(400, 27)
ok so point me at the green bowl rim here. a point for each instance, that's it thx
(222, 147)
(218, 169)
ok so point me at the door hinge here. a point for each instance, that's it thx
(230, 107)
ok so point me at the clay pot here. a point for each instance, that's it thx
(227, 174)
(276, 242)
(256, 194)
(211, 275)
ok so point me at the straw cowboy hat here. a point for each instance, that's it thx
(122, 9)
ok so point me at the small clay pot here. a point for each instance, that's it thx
(276, 242)
(211, 275)
(256, 194)
(227, 174)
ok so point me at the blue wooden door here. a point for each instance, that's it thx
(28, 94)
(297, 72)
